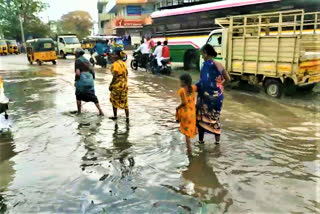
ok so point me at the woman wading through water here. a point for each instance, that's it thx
(210, 94)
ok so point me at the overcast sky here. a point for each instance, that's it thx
(57, 8)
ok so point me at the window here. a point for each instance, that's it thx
(61, 40)
(215, 40)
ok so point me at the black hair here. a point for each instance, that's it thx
(158, 43)
(118, 53)
(165, 42)
(142, 41)
(107, 41)
(187, 79)
(79, 52)
(208, 49)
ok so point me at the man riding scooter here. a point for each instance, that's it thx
(158, 55)
(99, 51)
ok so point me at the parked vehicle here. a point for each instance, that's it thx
(12, 47)
(67, 45)
(3, 47)
(41, 50)
(141, 61)
(277, 49)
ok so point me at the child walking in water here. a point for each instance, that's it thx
(186, 111)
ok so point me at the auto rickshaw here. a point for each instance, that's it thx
(12, 47)
(3, 47)
(87, 44)
(41, 50)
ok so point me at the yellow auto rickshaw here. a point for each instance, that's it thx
(3, 47)
(41, 50)
(12, 47)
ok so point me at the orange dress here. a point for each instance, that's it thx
(186, 115)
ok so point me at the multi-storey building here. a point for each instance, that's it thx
(124, 17)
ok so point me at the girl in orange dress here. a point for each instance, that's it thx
(186, 111)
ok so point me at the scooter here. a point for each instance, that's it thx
(141, 61)
(165, 69)
(101, 60)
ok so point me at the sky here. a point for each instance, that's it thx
(57, 8)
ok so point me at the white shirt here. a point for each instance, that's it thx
(144, 48)
(158, 52)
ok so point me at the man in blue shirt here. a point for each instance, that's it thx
(100, 48)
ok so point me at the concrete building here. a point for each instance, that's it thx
(125, 17)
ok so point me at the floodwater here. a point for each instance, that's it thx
(53, 161)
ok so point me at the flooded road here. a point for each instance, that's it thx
(53, 161)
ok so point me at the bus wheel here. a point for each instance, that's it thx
(39, 62)
(273, 88)
(54, 62)
(191, 57)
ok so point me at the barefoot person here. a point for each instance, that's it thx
(85, 82)
(186, 111)
(210, 94)
(119, 84)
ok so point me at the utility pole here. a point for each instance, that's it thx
(21, 27)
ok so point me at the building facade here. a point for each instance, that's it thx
(125, 17)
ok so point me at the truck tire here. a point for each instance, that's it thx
(273, 88)
(62, 55)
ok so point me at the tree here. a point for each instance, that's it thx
(77, 22)
(11, 10)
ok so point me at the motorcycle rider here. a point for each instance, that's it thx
(158, 54)
(100, 48)
(165, 53)
(144, 50)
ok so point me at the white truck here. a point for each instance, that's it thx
(280, 50)
(67, 45)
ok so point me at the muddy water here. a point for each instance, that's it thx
(53, 161)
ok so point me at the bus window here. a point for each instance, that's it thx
(215, 40)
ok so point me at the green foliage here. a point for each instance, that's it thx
(28, 10)
(76, 22)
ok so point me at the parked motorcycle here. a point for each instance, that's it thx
(141, 61)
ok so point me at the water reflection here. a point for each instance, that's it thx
(122, 145)
(201, 181)
(6, 166)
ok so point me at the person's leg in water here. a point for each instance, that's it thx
(217, 136)
(188, 142)
(127, 114)
(201, 134)
(79, 106)
(99, 108)
(115, 113)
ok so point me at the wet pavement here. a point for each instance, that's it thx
(53, 161)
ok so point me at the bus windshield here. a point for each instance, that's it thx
(71, 40)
